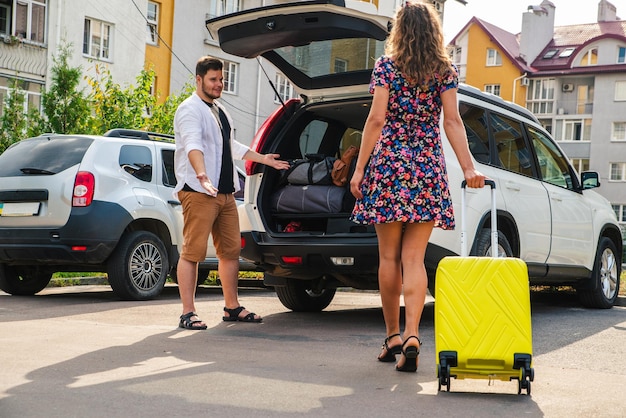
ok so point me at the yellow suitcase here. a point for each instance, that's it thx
(482, 315)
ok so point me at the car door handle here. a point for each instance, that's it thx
(557, 197)
(174, 202)
(512, 186)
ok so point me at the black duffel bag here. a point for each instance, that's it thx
(314, 169)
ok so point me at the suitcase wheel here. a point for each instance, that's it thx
(443, 372)
(524, 380)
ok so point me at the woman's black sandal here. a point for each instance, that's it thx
(187, 323)
(410, 356)
(392, 352)
(233, 315)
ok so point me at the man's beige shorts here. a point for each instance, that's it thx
(204, 215)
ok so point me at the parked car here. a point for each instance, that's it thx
(547, 214)
(88, 203)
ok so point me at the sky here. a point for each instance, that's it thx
(507, 14)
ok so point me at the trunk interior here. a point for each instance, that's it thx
(324, 130)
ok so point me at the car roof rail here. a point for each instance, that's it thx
(137, 134)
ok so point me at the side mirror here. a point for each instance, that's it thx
(589, 180)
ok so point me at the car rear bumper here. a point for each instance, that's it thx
(353, 261)
(89, 237)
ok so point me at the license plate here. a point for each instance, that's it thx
(19, 208)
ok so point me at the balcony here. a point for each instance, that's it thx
(23, 58)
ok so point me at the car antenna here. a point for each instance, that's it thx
(282, 102)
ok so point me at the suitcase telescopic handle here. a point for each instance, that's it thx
(494, 221)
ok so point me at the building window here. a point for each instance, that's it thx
(621, 55)
(25, 19)
(285, 89)
(567, 52)
(222, 7)
(573, 130)
(97, 39)
(230, 77)
(493, 58)
(580, 164)
(620, 212)
(341, 65)
(589, 58)
(620, 91)
(617, 172)
(5, 19)
(618, 132)
(152, 21)
(540, 96)
(30, 90)
(493, 89)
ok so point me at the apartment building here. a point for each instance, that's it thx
(572, 77)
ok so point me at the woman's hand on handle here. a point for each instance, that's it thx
(474, 178)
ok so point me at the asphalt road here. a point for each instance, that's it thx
(79, 352)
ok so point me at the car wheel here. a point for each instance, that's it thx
(138, 267)
(23, 281)
(605, 278)
(300, 296)
(483, 244)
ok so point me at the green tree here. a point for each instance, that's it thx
(13, 120)
(65, 107)
(117, 107)
(162, 115)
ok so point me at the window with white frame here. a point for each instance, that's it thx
(222, 7)
(493, 89)
(620, 212)
(152, 22)
(540, 96)
(230, 77)
(580, 164)
(30, 90)
(285, 89)
(572, 130)
(493, 58)
(590, 57)
(617, 171)
(618, 131)
(621, 55)
(25, 19)
(620, 91)
(97, 39)
(5, 19)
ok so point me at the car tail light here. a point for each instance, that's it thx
(243, 242)
(84, 185)
(291, 259)
(263, 132)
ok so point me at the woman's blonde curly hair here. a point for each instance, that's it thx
(416, 42)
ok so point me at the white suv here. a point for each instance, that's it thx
(547, 214)
(78, 203)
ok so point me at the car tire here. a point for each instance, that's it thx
(483, 244)
(23, 281)
(604, 289)
(138, 267)
(300, 296)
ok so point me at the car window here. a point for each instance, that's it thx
(312, 136)
(553, 165)
(476, 127)
(136, 160)
(169, 178)
(513, 153)
(43, 155)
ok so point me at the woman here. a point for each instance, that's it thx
(403, 189)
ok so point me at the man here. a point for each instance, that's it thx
(205, 176)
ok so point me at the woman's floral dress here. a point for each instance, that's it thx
(406, 178)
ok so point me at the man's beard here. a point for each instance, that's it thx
(209, 95)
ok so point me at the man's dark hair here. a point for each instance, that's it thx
(207, 63)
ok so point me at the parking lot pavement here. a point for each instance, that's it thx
(78, 351)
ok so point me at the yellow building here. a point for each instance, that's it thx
(488, 58)
(160, 24)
